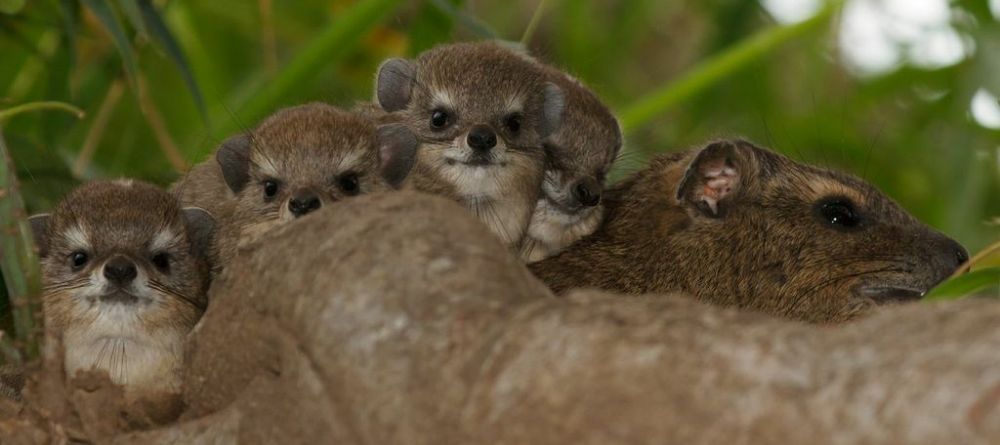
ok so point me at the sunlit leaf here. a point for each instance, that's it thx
(11, 6)
(106, 15)
(972, 283)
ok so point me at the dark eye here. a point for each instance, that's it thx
(162, 261)
(513, 122)
(838, 212)
(270, 188)
(78, 259)
(349, 183)
(439, 119)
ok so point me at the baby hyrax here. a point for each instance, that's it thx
(579, 155)
(124, 276)
(295, 162)
(738, 225)
(481, 113)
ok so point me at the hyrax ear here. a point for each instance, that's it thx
(552, 109)
(40, 232)
(200, 228)
(234, 160)
(397, 152)
(394, 84)
(715, 178)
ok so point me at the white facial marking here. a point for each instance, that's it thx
(443, 99)
(266, 167)
(164, 239)
(77, 238)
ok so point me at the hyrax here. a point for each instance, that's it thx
(579, 155)
(738, 225)
(296, 161)
(124, 276)
(481, 113)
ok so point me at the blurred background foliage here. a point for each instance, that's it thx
(900, 92)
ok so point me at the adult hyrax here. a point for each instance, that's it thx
(296, 161)
(124, 276)
(481, 113)
(738, 225)
(579, 155)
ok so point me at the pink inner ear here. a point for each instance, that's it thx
(719, 183)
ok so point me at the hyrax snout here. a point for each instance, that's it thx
(739, 225)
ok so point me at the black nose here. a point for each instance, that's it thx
(587, 192)
(961, 255)
(303, 203)
(120, 270)
(482, 138)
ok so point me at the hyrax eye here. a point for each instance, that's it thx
(839, 212)
(161, 261)
(439, 119)
(270, 188)
(349, 183)
(78, 259)
(513, 122)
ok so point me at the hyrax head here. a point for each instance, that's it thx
(304, 157)
(581, 151)
(473, 106)
(797, 240)
(122, 255)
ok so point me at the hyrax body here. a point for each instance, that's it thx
(579, 155)
(296, 161)
(738, 225)
(124, 276)
(481, 113)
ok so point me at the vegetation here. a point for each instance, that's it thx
(162, 82)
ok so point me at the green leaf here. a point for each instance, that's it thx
(713, 70)
(965, 285)
(69, 14)
(335, 42)
(11, 6)
(131, 9)
(160, 34)
(106, 15)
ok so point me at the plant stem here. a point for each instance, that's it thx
(18, 262)
(38, 106)
(536, 18)
(718, 67)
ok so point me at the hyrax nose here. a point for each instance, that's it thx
(120, 270)
(587, 192)
(482, 138)
(958, 253)
(303, 202)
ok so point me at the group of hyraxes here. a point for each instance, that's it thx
(523, 146)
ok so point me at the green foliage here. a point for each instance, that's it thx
(679, 73)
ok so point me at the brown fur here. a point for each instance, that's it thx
(580, 152)
(477, 84)
(767, 249)
(138, 343)
(304, 148)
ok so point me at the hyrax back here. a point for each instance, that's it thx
(738, 225)
(296, 161)
(124, 272)
(579, 155)
(481, 113)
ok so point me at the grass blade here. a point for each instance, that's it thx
(334, 43)
(18, 258)
(131, 10)
(969, 284)
(106, 15)
(18, 264)
(718, 67)
(159, 32)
